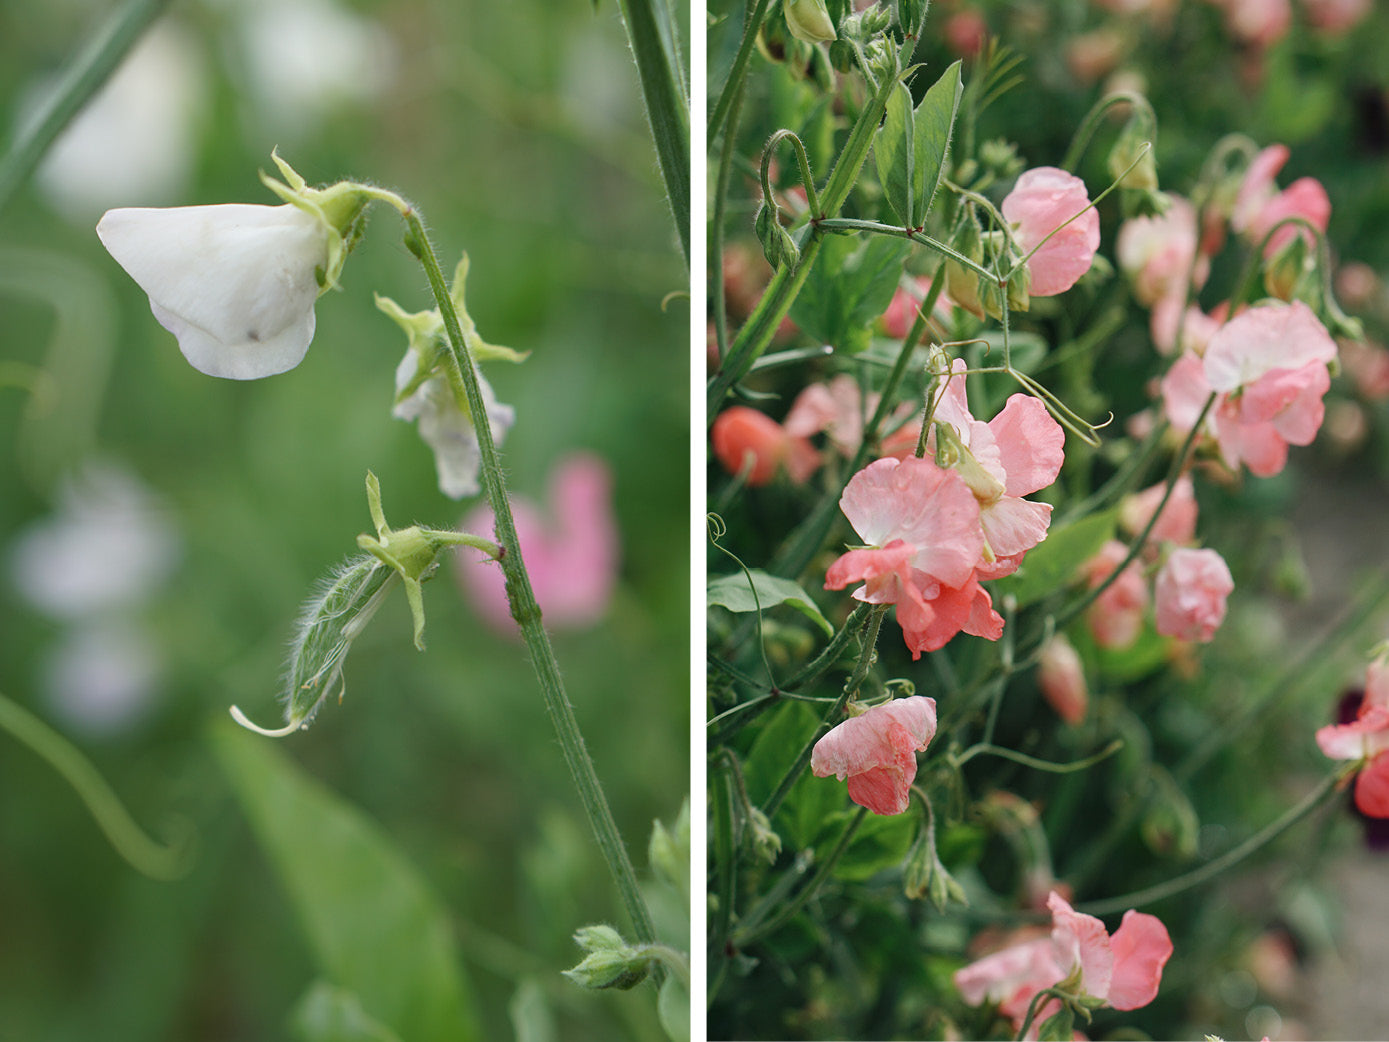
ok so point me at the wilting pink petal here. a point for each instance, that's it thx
(1043, 200)
(1061, 676)
(876, 752)
(1190, 594)
(1141, 949)
(571, 555)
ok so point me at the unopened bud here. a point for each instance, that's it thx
(777, 245)
(809, 20)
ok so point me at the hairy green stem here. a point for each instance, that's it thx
(524, 608)
(125, 836)
(83, 77)
(667, 108)
(736, 75)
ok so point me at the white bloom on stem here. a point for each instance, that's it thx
(235, 283)
(447, 428)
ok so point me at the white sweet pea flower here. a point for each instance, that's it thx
(235, 283)
(448, 429)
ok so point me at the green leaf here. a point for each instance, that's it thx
(1060, 1027)
(882, 841)
(783, 734)
(372, 924)
(934, 121)
(1053, 564)
(894, 153)
(849, 286)
(735, 593)
(329, 1014)
(673, 1006)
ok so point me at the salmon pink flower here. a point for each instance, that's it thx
(1176, 523)
(876, 752)
(1044, 201)
(921, 527)
(741, 434)
(1366, 738)
(571, 555)
(1190, 594)
(1122, 970)
(1116, 617)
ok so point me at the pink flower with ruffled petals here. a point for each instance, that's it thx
(1259, 205)
(921, 524)
(1190, 594)
(1122, 970)
(1043, 201)
(837, 409)
(1366, 738)
(1176, 523)
(1116, 617)
(744, 437)
(1159, 253)
(571, 555)
(1018, 452)
(876, 752)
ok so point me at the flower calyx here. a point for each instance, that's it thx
(412, 553)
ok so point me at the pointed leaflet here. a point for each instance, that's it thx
(934, 120)
(374, 927)
(850, 285)
(893, 152)
(734, 593)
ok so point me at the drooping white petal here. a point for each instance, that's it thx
(235, 283)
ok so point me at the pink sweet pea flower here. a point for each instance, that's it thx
(838, 409)
(1018, 452)
(1190, 594)
(921, 527)
(1158, 254)
(876, 752)
(1367, 738)
(1259, 22)
(571, 556)
(1122, 970)
(1259, 205)
(902, 310)
(741, 433)
(1116, 617)
(1043, 200)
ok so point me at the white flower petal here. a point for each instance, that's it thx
(235, 283)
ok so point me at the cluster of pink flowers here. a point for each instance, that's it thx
(1366, 738)
(933, 532)
(875, 752)
(1263, 23)
(1122, 970)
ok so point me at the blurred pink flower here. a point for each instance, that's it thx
(1190, 594)
(1336, 16)
(1122, 970)
(741, 433)
(1367, 365)
(1117, 614)
(1043, 200)
(1367, 737)
(1177, 522)
(902, 310)
(572, 556)
(1196, 327)
(876, 752)
(838, 409)
(1159, 254)
(1259, 22)
(1259, 205)
(1061, 677)
(923, 541)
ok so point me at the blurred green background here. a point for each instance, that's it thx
(517, 129)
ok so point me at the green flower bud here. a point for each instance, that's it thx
(610, 962)
(777, 245)
(809, 20)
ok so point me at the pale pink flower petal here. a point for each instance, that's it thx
(1290, 399)
(1257, 445)
(1014, 525)
(1031, 445)
(953, 609)
(1377, 683)
(1304, 198)
(1141, 949)
(1190, 594)
(876, 752)
(883, 570)
(1081, 940)
(1258, 186)
(1116, 617)
(918, 502)
(1265, 338)
(1042, 201)
(1367, 735)
(1184, 389)
(1159, 253)
(997, 977)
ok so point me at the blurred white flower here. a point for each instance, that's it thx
(134, 142)
(446, 428)
(305, 58)
(107, 546)
(102, 676)
(236, 283)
